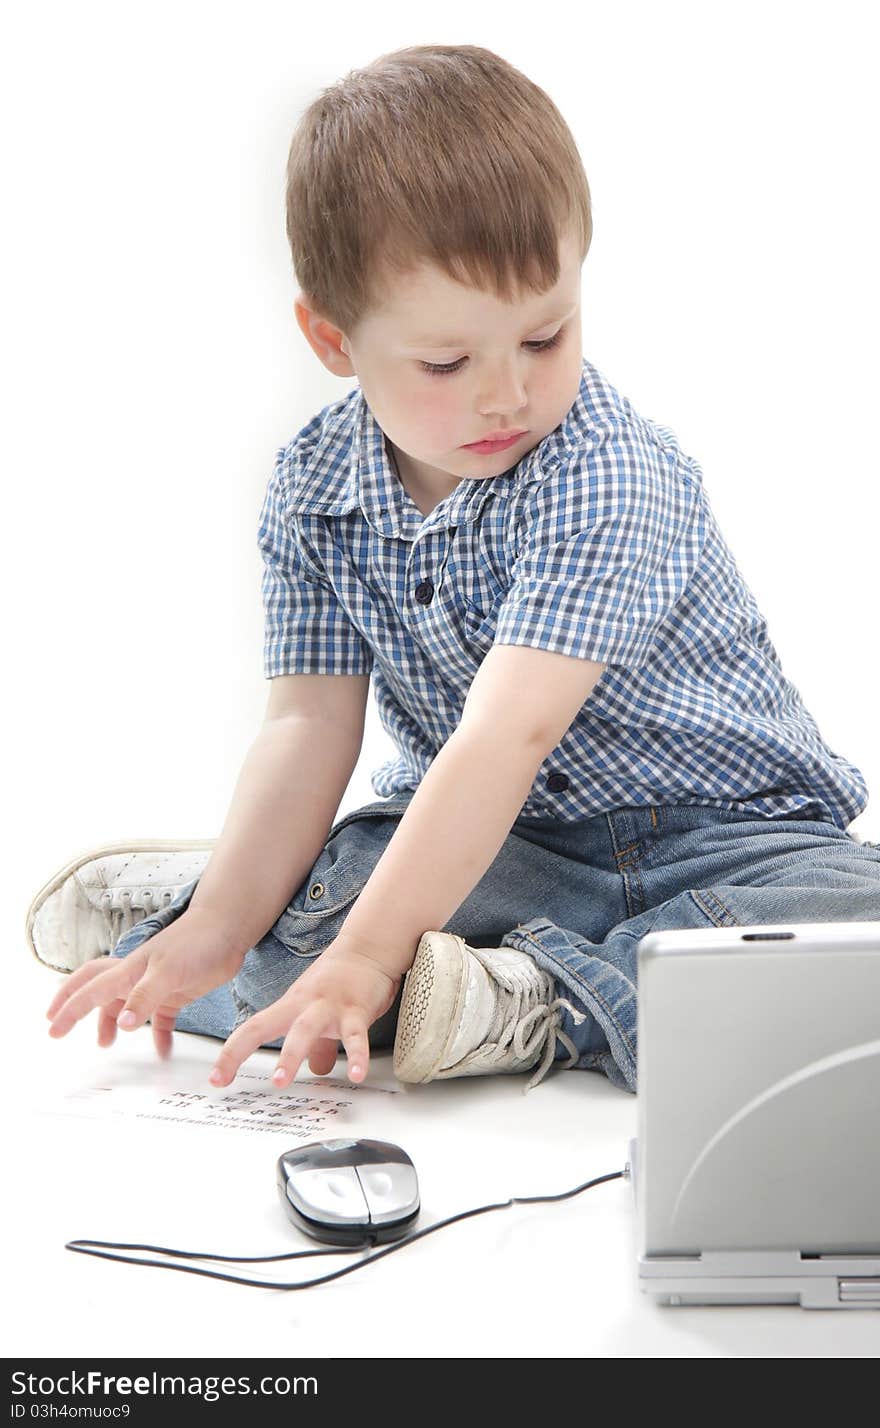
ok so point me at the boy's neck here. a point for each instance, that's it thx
(425, 495)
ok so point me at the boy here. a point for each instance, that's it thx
(595, 736)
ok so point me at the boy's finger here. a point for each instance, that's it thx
(163, 1023)
(72, 984)
(307, 1031)
(357, 1047)
(323, 1055)
(246, 1039)
(101, 991)
(107, 1023)
(143, 1001)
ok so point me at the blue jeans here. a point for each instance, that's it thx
(578, 897)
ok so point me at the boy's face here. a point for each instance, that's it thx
(500, 380)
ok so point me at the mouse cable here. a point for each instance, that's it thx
(90, 1246)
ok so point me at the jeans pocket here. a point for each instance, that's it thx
(339, 873)
(331, 885)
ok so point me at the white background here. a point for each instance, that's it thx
(153, 365)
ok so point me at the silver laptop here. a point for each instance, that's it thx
(756, 1168)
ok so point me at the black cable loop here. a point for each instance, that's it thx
(86, 1246)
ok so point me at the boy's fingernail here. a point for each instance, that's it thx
(126, 1019)
(280, 1076)
(356, 1070)
(216, 1076)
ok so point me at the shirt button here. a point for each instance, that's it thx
(425, 592)
(557, 782)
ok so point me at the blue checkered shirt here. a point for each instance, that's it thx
(600, 543)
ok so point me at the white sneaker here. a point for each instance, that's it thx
(471, 1011)
(84, 909)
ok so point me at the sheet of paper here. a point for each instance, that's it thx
(310, 1108)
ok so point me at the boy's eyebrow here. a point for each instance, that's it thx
(437, 343)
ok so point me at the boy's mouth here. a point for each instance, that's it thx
(494, 443)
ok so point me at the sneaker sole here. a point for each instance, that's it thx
(433, 997)
(157, 845)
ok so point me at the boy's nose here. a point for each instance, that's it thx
(503, 392)
(503, 401)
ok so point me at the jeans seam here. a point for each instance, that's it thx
(627, 860)
(704, 898)
(633, 886)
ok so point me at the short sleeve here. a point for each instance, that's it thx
(609, 542)
(307, 630)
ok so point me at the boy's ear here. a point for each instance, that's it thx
(328, 342)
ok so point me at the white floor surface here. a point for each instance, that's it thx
(141, 1160)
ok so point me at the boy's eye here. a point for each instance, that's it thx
(439, 370)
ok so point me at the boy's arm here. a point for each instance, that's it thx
(285, 800)
(286, 797)
(518, 708)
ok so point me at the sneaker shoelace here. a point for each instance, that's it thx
(121, 916)
(525, 1019)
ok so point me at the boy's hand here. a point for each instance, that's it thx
(337, 999)
(189, 957)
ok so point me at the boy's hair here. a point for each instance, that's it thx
(438, 153)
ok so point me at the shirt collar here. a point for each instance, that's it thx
(343, 462)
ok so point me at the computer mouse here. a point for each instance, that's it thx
(346, 1192)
